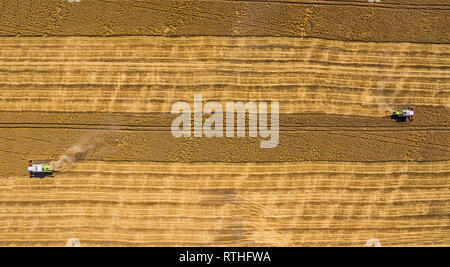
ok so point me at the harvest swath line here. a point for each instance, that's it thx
(177, 43)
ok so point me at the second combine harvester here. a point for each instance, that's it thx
(405, 114)
(39, 170)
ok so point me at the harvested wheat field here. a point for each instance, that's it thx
(92, 95)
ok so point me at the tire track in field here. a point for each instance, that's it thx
(346, 3)
(419, 22)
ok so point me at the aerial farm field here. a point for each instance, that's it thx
(88, 87)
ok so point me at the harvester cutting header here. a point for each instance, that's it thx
(39, 170)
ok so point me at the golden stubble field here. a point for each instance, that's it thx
(343, 173)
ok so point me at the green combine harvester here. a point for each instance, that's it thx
(405, 114)
(39, 170)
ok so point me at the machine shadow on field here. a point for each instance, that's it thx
(397, 119)
(400, 119)
(42, 175)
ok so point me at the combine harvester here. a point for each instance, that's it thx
(403, 114)
(39, 170)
